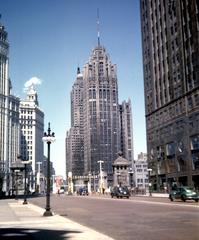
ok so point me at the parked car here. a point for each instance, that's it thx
(120, 192)
(83, 191)
(184, 193)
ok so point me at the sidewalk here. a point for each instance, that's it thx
(23, 222)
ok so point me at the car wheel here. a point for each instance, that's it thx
(183, 198)
(196, 200)
(171, 198)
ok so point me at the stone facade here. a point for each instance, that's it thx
(170, 43)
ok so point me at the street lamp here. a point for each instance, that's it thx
(100, 162)
(149, 171)
(25, 162)
(48, 138)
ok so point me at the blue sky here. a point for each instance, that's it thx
(49, 39)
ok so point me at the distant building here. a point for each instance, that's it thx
(32, 129)
(44, 168)
(75, 136)
(9, 117)
(170, 43)
(141, 172)
(126, 123)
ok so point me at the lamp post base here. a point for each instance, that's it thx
(47, 213)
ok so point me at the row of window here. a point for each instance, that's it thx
(26, 111)
(141, 180)
(141, 169)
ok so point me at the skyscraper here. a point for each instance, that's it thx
(97, 124)
(75, 136)
(9, 116)
(126, 123)
(170, 43)
(101, 112)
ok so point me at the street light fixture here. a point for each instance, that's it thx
(48, 138)
(149, 171)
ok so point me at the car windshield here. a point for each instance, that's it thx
(188, 190)
(123, 189)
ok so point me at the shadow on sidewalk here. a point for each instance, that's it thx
(39, 234)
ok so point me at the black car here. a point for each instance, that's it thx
(83, 191)
(120, 192)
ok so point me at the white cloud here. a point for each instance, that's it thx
(32, 81)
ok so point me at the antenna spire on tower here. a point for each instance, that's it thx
(98, 30)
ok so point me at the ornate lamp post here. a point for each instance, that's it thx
(48, 138)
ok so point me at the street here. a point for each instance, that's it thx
(137, 218)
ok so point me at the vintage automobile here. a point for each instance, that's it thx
(120, 192)
(83, 191)
(184, 193)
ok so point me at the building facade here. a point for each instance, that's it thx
(141, 172)
(9, 116)
(170, 42)
(32, 129)
(126, 125)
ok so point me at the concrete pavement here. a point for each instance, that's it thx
(18, 221)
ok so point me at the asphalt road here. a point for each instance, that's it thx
(137, 218)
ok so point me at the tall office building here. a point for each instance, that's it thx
(75, 137)
(126, 123)
(101, 112)
(32, 129)
(98, 127)
(9, 116)
(170, 43)
(95, 130)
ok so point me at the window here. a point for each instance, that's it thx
(170, 149)
(195, 142)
